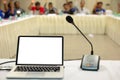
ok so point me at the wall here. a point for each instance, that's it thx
(114, 4)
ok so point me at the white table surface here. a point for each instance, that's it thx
(109, 70)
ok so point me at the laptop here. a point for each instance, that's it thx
(38, 57)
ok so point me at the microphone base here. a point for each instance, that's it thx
(90, 62)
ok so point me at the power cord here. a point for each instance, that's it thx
(8, 68)
(7, 62)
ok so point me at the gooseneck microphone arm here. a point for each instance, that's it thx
(70, 20)
(85, 38)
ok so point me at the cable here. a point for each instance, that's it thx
(7, 62)
(8, 68)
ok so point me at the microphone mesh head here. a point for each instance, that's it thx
(69, 19)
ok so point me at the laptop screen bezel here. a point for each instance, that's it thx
(17, 52)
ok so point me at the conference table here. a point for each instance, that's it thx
(109, 70)
(54, 24)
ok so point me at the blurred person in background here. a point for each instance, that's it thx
(18, 7)
(66, 8)
(82, 9)
(108, 9)
(9, 9)
(94, 9)
(37, 8)
(98, 9)
(73, 9)
(51, 9)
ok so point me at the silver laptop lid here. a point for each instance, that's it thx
(40, 50)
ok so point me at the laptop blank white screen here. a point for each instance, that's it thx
(40, 50)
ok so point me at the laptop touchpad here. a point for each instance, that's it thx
(35, 74)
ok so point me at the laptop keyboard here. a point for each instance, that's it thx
(37, 69)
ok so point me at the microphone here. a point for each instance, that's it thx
(70, 20)
(89, 62)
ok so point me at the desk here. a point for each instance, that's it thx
(113, 28)
(58, 24)
(37, 25)
(109, 70)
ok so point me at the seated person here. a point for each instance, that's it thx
(94, 9)
(99, 10)
(51, 9)
(18, 8)
(82, 9)
(66, 8)
(73, 10)
(108, 9)
(37, 9)
(9, 9)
